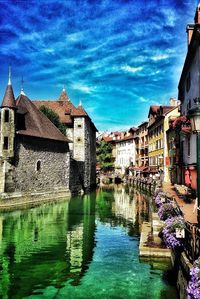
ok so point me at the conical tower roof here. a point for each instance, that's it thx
(9, 98)
(63, 96)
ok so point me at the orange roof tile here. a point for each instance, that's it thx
(62, 108)
(36, 124)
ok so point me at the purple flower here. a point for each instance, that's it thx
(193, 288)
(166, 210)
(170, 239)
(158, 200)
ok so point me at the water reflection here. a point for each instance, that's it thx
(83, 248)
(46, 245)
(123, 205)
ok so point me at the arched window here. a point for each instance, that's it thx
(38, 165)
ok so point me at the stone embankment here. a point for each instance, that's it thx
(151, 248)
(16, 200)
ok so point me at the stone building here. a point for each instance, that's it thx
(82, 132)
(36, 156)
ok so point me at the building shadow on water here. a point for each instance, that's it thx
(46, 245)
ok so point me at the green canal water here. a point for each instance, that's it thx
(83, 248)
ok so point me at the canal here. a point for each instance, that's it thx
(83, 248)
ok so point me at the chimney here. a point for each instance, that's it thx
(173, 102)
(190, 27)
(197, 15)
(189, 30)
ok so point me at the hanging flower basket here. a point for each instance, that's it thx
(187, 129)
(183, 124)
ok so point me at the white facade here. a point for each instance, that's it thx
(125, 154)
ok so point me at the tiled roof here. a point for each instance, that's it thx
(9, 99)
(79, 112)
(63, 108)
(166, 109)
(63, 96)
(36, 124)
(131, 137)
(108, 139)
(159, 110)
(154, 108)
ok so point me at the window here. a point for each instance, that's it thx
(79, 126)
(79, 139)
(38, 165)
(5, 143)
(6, 116)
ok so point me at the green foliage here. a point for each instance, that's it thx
(54, 118)
(104, 156)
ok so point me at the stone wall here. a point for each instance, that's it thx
(40, 164)
(90, 155)
(85, 150)
(7, 132)
(76, 179)
(79, 139)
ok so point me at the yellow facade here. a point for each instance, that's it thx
(156, 145)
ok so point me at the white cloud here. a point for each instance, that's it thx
(160, 57)
(130, 69)
(30, 36)
(83, 88)
(143, 99)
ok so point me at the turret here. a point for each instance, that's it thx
(64, 95)
(8, 109)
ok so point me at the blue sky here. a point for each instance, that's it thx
(117, 56)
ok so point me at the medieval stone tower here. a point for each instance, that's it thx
(84, 148)
(7, 134)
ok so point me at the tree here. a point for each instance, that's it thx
(104, 156)
(54, 118)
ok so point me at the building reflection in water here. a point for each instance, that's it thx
(54, 243)
(143, 207)
(46, 245)
(125, 206)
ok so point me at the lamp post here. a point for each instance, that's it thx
(194, 116)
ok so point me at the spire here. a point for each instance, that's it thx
(22, 87)
(80, 104)
(9, 98)
(63, 95)
(9, 76)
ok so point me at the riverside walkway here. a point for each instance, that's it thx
(188, 209)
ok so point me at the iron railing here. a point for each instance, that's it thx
(192, 241)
